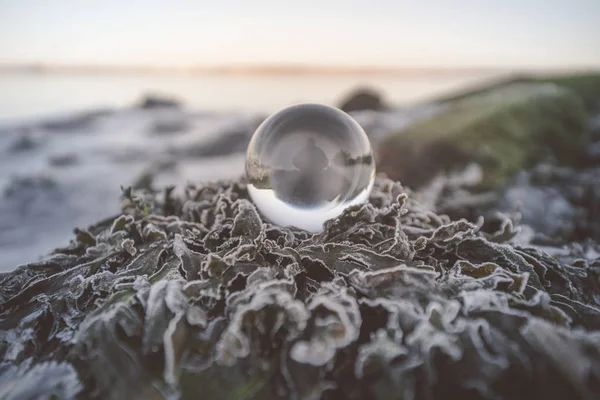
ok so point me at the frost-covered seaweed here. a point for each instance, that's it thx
(194, 296)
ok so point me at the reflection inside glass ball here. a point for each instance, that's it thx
(306, 164)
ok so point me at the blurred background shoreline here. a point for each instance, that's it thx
(30, 93)
(48, 90)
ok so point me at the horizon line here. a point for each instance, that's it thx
(271, 68)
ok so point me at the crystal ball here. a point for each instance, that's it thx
(306, 164)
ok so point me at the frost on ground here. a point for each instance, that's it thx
(194, 296)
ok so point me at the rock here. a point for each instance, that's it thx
(196, 293)
(63, 160)
(24, 142)
(169, 126)
(503, 130)
(30, 185)
(128, 154)
(29, 200)
(362, 99)
(153, 101)
(227, 143)
(74, 123)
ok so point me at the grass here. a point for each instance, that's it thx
(503, 128)
(586, 86)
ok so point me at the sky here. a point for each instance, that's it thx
(432, 33)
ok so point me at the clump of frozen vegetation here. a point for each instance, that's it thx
(196, 296)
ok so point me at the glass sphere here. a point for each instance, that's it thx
(306, 164)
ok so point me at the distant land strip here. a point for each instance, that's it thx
(41, 68)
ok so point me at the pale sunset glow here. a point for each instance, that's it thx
(186, 33)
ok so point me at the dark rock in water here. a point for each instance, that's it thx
(28, 199)
(127, 154)
(63, 160)
(21, 185)
(169, 126)
(30, 207)
(230, 140)
(152, 101)
(190, 296)
(24, 142)
(227, 143)
(78, 122)
(362, 99)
